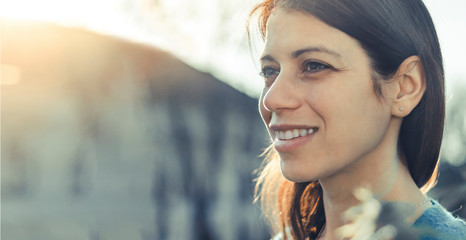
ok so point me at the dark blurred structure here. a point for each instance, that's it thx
(107, 139)
(450, 190)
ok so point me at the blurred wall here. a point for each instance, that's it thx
(107, 139)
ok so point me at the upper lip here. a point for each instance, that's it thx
(285, 127)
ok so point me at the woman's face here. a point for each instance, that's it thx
(318, 101)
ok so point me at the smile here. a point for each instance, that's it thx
(293, 133)
(288, 138)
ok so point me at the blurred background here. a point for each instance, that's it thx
(136, 119)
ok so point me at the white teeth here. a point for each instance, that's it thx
(282, 135)
(288, 135)
(294, 133)
(302, 132)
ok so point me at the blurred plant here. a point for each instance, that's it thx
(376, 220)
(362, 218)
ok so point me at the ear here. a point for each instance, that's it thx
(410, 85)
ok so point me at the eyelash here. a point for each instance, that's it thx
(320, 66)
(268, 72)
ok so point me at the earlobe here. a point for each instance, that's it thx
(411, 85)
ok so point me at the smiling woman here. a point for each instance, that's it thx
(353, 97)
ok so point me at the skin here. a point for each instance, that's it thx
(318, 77)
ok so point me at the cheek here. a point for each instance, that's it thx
(352, 101)
(360, 125)
(353, 116)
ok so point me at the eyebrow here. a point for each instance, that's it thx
(297, 53)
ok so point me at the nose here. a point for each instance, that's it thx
(281, 95)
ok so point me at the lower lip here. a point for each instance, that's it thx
(292, 144)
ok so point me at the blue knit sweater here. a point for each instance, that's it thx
(441, 224)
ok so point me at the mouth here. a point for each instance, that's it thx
(288, 138)
(291, 134)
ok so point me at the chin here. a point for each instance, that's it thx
(297, 174)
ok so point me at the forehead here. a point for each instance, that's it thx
(288, 30)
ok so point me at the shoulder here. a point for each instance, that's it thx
(440, 224)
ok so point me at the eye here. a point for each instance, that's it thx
(314, 66)
(269, 73)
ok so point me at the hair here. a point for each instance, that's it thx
(389, 31)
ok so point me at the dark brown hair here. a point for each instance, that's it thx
(389, 31)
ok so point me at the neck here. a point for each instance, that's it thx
(381, 172)
(338, 191)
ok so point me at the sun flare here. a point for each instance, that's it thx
(59, 11)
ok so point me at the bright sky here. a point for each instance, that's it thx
(210, 34)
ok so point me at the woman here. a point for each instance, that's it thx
(353, 97)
